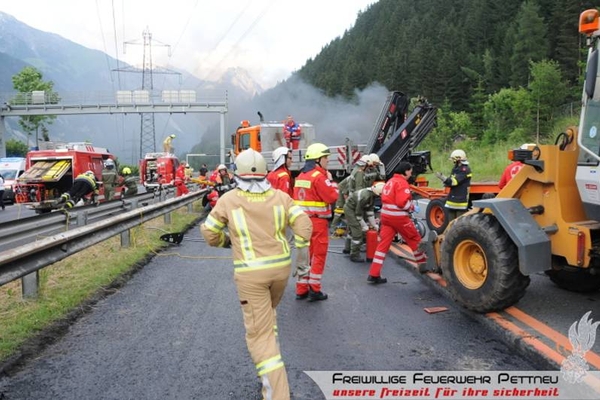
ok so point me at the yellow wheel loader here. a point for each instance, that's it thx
(547, 218)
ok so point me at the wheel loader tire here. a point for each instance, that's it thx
(437, 216)
(580, 280)
(480, 264)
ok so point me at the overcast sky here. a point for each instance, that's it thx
(268, 38)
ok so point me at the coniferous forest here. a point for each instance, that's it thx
(498, 70)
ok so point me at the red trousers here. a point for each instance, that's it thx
(390, 225)
(181, 188)
(319, 242)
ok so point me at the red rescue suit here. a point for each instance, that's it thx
(315, 193)
(396, 206)
(510, 173)
(292, 133)
(180, 179)
(281, 178)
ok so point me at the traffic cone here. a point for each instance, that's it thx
(372, 241)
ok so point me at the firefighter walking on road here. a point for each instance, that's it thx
(315, 191)
(396, 206)
(257, 217)
(358, 206)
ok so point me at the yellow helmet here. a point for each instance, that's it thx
(250, 164)
(126, 171)
(172, 136)
(316, 151)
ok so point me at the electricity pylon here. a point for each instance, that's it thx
(147, 132)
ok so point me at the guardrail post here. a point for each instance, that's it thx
(126, 238)
(190, 208)
(82, 218)
(30, 284)
(163, 197)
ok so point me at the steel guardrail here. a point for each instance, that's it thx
(22, 231)
(22, 260)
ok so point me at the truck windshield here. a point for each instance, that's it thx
(590, 133)
(8, 173)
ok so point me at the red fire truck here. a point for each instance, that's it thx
(50, 172)
(157, 170)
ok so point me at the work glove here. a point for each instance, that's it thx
(440, 176)
(301, 265)
(363, 225)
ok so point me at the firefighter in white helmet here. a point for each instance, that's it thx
(256, 217)
(375, 170)
(360, 206)
(357, 176)
(459, 183)
(281, 176)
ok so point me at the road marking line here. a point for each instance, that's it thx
(558, 338)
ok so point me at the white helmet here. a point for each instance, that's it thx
(458, 155)
(109, 164)
(374, 159)
(377, 187)
(250, 164)
(279, 155)
(364, 160)
(221, 166)
(527, 146)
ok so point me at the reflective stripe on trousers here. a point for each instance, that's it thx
(260, 292)
(319, 242)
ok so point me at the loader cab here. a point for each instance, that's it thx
(588, 138)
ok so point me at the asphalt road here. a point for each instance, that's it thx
(175, 331)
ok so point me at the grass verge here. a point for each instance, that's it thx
(70, 287)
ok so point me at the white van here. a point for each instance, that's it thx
(10, 169)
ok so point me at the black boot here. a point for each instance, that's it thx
(316, 296)
(376, 280)
(357, 258)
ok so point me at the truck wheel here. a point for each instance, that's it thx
(579, 280)
(437, 216)
(480, 263)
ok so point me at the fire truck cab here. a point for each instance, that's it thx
(50, 172)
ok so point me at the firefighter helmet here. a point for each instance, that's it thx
(527, 146)
(126, 171)
(377, 187)
(250, 164)
(90, 174)
(222, 166)
(316, 151)
(109, 164)
(458, 155)
(279, 156)
(374, 159)
(364, 160)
